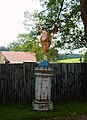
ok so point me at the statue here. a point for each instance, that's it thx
(45, 40)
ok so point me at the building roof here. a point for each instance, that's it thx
(19, 57)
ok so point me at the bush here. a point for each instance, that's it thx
(85, 57)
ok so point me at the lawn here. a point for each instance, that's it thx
(25, 112)
(74, 60)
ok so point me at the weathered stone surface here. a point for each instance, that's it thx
(42, 89)
(41, 105)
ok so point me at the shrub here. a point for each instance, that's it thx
(85, 57)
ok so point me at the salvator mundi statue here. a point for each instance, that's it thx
(43, 75)
(45, 41)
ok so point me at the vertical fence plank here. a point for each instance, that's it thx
(17, 82)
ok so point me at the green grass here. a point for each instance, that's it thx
(25, 112)
(74, 60)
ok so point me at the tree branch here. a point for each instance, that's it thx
(60, 9)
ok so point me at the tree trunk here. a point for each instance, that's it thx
(83, 4)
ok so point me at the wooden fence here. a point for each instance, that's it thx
(17, 82)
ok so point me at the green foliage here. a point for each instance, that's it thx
(52, 55)
(85, 57)
(3, 48)
(28, 43)
(69, 56)
(70, 28)
(24, 43)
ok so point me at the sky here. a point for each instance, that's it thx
(12, 17)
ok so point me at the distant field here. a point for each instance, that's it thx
(74, 60)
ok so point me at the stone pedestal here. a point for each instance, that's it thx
(43, 89)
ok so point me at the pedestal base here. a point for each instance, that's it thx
(42, 105)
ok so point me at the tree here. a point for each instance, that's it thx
(52, 55)
(84, 15)
(24, 42)
(28, 43)
(85, 57)
(3, 48)
(67, 15)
